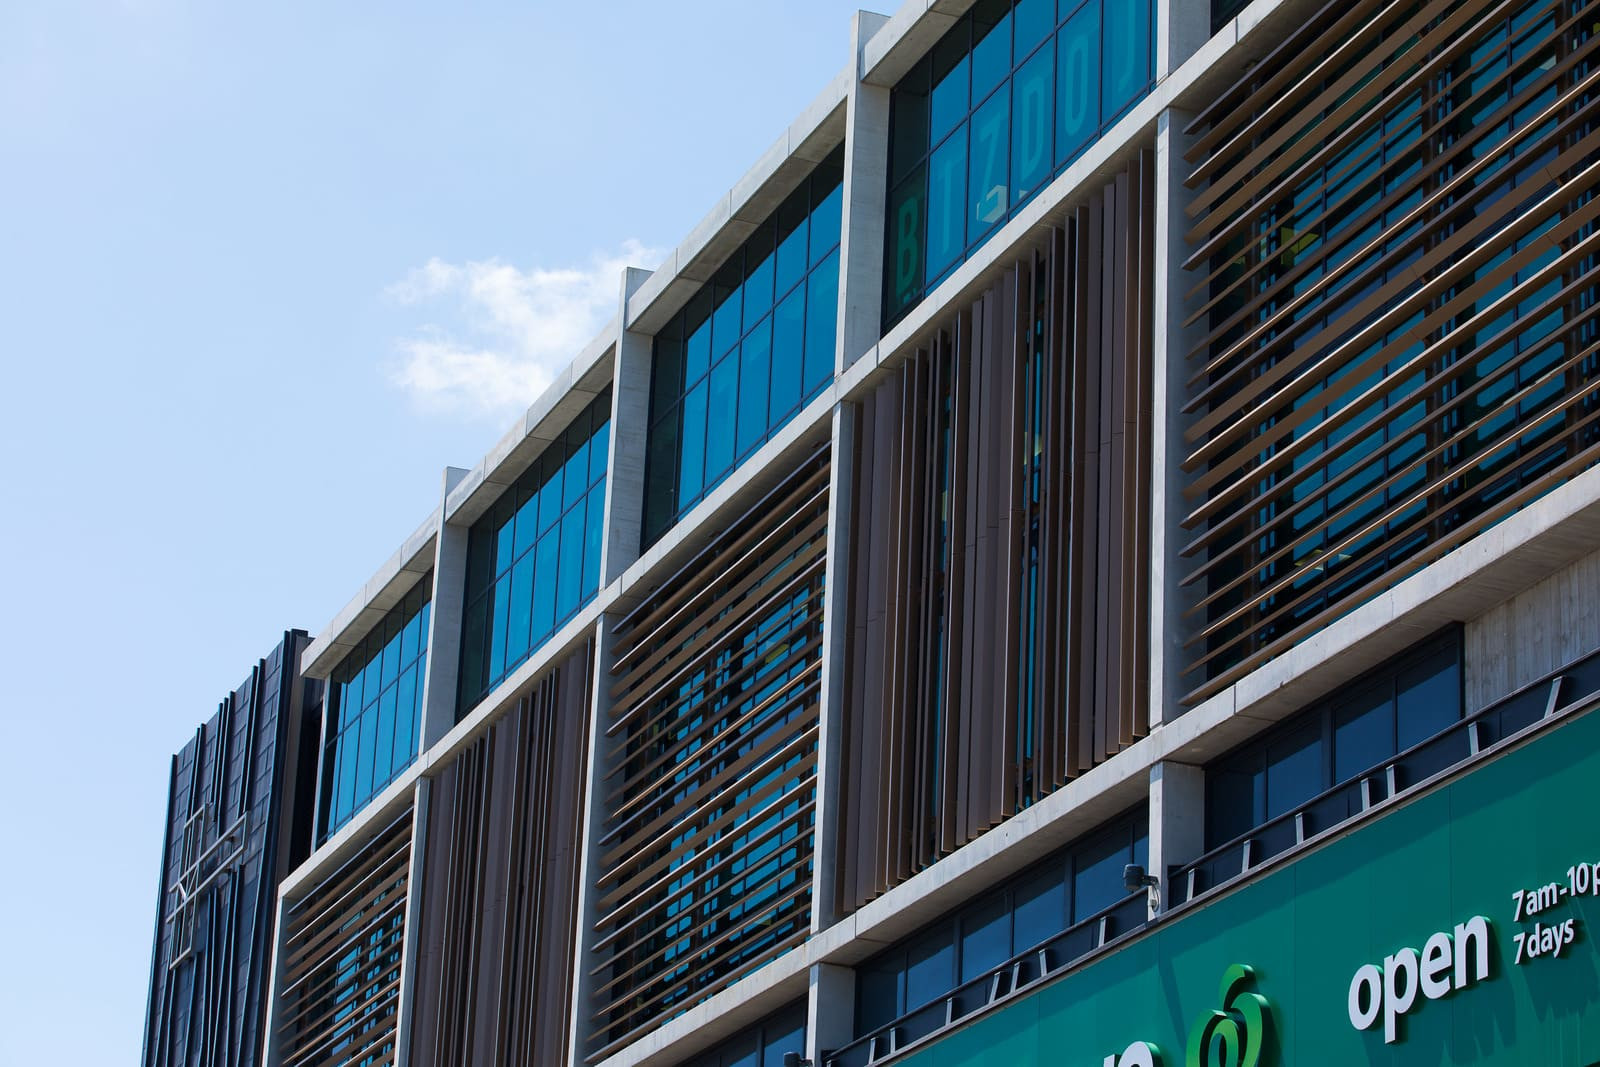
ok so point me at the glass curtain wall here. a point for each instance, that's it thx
(1366, 723)
(1076, 884)
(374, 710)
(1013, 94)
(749, 350)
(534, 559)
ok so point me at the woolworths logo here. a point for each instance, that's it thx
(1237, 1034)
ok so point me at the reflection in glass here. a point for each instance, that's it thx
(761, 342)
(372, 724)
(1007, 99)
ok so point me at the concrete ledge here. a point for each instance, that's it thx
(1553, 532)
(574, 387)
(399, 573)
(737, 213)
(723, 1015)
(906, 38)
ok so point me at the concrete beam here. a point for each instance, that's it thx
(440, 682)
(630, 420)
(1170, 598)
(866, 176)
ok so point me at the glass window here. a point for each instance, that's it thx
(946, 196)
(1294, 769)
(987, 934)
(527, 587)
(1031, 113)
(760, 341)
(985, 937)
(1363, 733)
(1356, 730)
(987, 189)
(1003, 102)
(1126, 56)
(1078, 97)
(373, 718)
(930, 969)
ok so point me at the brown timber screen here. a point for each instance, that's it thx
(499, 891)
(1000, 581)
(1394, 249)
(706, 864)
(343, 943)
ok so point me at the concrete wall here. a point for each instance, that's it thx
(1534, 633)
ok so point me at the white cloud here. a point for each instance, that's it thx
(516, 327)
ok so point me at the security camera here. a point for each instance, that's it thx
(1134, 879)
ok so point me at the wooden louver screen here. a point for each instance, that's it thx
(1394, 247)
(706, 859)
(499, 889)
(1000, 580)
(340, 972)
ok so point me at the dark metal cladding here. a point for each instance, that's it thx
(236, 822)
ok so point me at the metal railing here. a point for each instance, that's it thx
(1451, 747)
(996, 986)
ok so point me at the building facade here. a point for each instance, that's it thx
(1089, 554)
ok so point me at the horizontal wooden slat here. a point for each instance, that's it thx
(1366, 401)
(711, 781)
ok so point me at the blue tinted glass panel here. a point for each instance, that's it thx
(788, 340)
(822, 318)
(720, 418)
(949, 101)
(692, 449)
(372, 736)
(1014, 92)
(946, 204)
(570, 581)
(1126, 69)
(827, 223)
(758, 369)
(1032, 119)
(1035, 19)
(755, 364)
(512, 600)
(1077, 83)
(990, 196)
(1363, 733)
(991, 49)
(907, 206)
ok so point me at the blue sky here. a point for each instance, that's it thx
(325, 247)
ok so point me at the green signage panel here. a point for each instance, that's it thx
(1456, 930)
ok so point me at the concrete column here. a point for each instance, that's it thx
(444, 628)
(1182, 26)
(1177, 820)
(1169, 598)
(835, 622)
(410, 937)
(593, 825)
(831, 1010)
(630, 421)
(866, 175)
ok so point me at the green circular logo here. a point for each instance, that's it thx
(1235, 1035)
